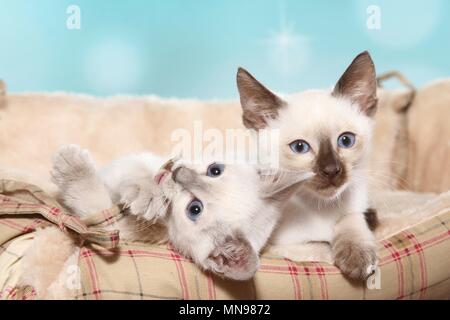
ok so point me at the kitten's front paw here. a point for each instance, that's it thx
(357, 261)
(143, 199)
(70, 164)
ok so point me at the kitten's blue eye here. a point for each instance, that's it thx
(346, 140)
(299, 146)
(215, 170)
(194, 209)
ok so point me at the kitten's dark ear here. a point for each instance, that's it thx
(258, 103)
(359, 84)
(234, 258)
(277, 186)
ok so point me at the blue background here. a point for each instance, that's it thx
(192, 48)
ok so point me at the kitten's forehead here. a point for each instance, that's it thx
(318, 114)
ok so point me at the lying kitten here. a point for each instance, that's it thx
(219, 215)
(328, 132)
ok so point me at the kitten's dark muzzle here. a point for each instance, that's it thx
(181, 175)
(188, 178)
(329, 167)
(333, 176)
(331, 172)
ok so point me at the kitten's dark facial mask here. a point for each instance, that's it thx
(330, 169)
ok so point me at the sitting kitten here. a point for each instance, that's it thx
(220, 216)
(328, 132)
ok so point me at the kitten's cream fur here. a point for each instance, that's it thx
(327, 207)
(240, 207)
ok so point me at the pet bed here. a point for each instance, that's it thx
(414, 260)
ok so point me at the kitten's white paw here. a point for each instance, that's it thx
(80, 188)
(143, 199)
(70, 164)
(356, 260)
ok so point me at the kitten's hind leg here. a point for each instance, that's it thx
(81, 188)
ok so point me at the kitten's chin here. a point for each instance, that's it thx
(329, 193)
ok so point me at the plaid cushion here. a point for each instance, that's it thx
(31, 207)
(23, 209)
(414, 264)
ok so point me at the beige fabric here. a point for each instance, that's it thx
(37, 237)
(429, 139)
(413, 261)
(11, 264)
(388, 159)
(34, 125)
